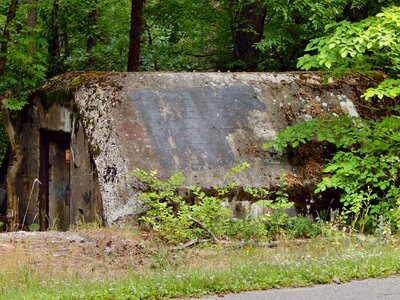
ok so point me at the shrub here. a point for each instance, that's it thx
(176, 221)
(365, 168)
(370, 44)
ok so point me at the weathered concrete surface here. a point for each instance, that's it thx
(200, 123)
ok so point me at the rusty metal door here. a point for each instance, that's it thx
(55, 177)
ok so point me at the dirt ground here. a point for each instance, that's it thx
(91, 253)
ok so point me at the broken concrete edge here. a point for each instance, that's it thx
(95, 97)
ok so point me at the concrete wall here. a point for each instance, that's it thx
(200, 123)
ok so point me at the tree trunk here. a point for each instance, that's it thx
(54, 61)
(92, 39)
(249, 31)
(16, 147)
(54, 43)
(31, 18)
(356, 14)
(17, 154)
(6, 35)
(134, 36)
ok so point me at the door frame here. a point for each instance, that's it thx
(45, 137)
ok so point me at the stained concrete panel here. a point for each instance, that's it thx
(189, 127)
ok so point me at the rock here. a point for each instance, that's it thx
(336, 280)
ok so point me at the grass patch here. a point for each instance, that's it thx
(213, 269)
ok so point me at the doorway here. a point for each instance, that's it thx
(55, 196)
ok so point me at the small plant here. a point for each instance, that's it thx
(97, 223)
(54, 223)
(228, 183)
(173, 218)
(303, 227)
(34, 227)
(168, 213)
(246, 229)
(276, 219)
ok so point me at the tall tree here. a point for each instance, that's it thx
(135, 35)
(21, 69)
(16, 147)
(31, 18)
(92, 39)
(54, 60)
(249, 31)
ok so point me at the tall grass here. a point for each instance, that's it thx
(215, 270)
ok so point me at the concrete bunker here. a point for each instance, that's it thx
(84, 131)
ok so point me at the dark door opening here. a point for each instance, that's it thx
(55, 157)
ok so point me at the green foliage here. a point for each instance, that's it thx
(186, 35)
(176, 221)
(163, 198)
(365, 168)
(169, 213)
(290, 25)
(177, 34)
(387, 88)
(229, 184)
(276, 219)
(34, 227)
(246, 229)
(303, 227)
(182, 34)
(110, 30)
(373, 43)
(210, 212)
(26, 61)
(365, 45)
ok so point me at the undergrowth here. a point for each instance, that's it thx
(364, 169)
(204, 215)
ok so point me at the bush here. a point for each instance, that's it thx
(177, 222)
(370, 44)
(365, 168)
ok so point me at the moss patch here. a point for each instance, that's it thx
(58, 96)
(94, 151)
(75, 83)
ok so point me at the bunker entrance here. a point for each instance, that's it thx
(55, 200)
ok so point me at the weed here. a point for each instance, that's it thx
(34, 227)
(81, 224)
